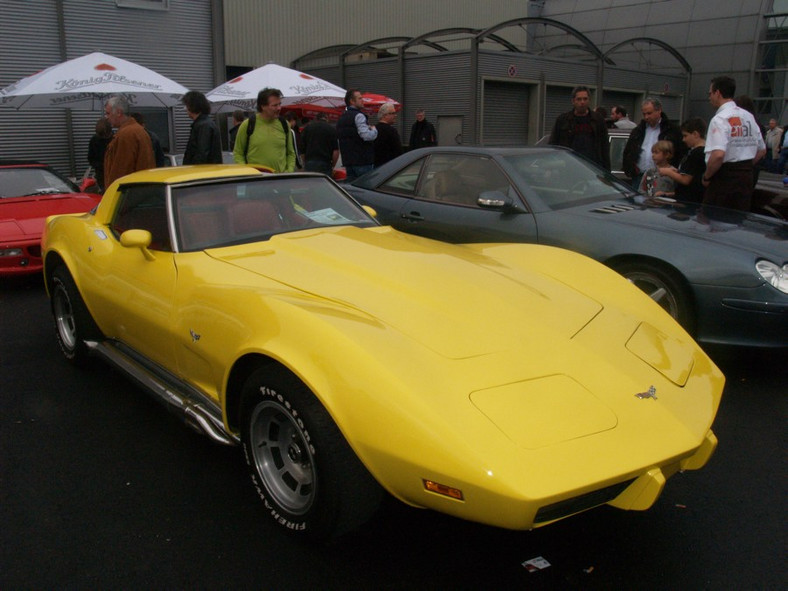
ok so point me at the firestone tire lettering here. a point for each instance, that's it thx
(301, 467)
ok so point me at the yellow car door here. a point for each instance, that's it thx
(138, 279)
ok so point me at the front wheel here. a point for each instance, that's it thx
(662, 287)
(308, 477)
(73, 322)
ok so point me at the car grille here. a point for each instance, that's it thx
(580, 503)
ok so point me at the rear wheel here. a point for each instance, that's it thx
(73, 322)
(662, 287)
(307, 475)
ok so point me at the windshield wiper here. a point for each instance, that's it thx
(48, 191)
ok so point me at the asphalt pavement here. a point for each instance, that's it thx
(100, 488)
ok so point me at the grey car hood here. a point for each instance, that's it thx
(758, 234)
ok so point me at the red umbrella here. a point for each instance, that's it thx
(311, 111)
(371, 104)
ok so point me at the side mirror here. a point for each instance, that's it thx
(138, 239)
(89, 185)
(498, 200)
(370, 211)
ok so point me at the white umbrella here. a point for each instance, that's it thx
(85, 83)
(297, 89)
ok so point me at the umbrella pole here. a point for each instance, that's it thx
(72, 163)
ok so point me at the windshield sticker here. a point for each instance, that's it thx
(327, 216)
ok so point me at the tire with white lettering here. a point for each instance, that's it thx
(73, 323)
(308, 477)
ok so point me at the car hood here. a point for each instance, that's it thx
(755, 233)
(456, 302)
(24, 217)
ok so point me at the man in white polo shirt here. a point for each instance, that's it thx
(734, 145)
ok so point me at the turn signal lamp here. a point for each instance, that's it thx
(442, 489)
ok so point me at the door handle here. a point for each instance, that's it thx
(413, 216)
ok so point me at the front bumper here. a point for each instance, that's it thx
(20, 258)
(754, 317)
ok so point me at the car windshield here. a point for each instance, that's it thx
(561, 179)
(20, 182)
(255, 209)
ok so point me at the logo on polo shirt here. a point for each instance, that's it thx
(739, 128)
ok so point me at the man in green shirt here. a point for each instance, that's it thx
(270, 142)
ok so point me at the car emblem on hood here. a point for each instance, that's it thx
(195, 336)
(651, 393)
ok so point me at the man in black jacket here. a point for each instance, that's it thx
(422, 133)
(204, 145)
(158, 151)
(321, 150)
(655, 126)
(583, 130)
(388, 144)
(356, 137)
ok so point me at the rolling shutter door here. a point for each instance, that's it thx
(505, 114)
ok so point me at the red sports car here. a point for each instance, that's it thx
(29, 193)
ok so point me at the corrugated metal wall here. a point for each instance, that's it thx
(715, 38)
(629, 100)
(558, 99)
(649, 82)
(509, 88)
(263, 32)
(719, 40)
(176, 43)
(29, 41)
(550, 73)
(440, 84)
(437, 83)
(384, 73)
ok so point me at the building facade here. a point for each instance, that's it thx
(494, 72)
(671, 48)
(176, 38)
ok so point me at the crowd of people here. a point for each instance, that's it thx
(715, 165)
(134, 147)
(263, 138)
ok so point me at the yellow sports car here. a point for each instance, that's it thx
(512, 385)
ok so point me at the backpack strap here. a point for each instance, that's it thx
(285, 125)
(249, 131)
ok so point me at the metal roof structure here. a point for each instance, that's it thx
(523, 37)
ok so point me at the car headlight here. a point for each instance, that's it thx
(10, 252)
(774, 275)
